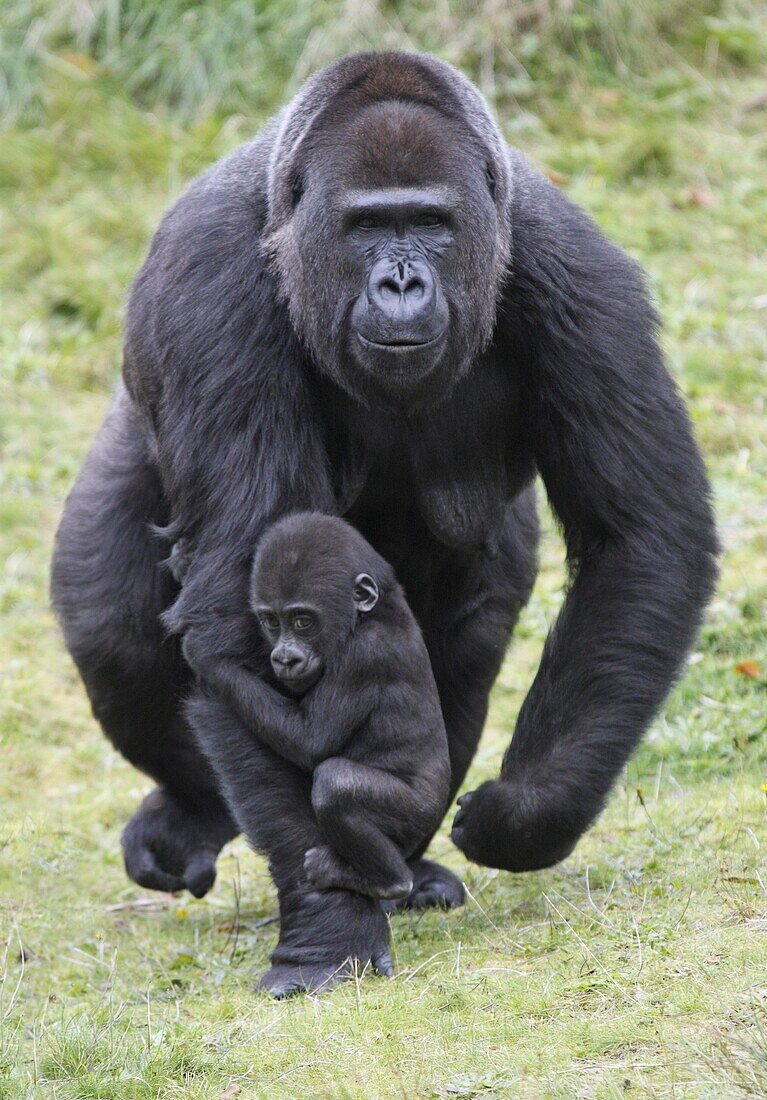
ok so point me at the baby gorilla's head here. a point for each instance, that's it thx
(313, 576)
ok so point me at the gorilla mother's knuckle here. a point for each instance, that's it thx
(517, 827)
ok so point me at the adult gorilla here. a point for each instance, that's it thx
(376, 308)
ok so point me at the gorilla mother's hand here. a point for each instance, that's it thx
(516, 827)
(168, 846)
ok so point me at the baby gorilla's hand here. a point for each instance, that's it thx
(505, 824)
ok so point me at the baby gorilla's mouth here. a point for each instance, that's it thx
(299, 682)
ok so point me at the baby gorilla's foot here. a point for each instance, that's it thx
(434, 887)
(327, 871)
(323, 868)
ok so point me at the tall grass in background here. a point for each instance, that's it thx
(240, 56)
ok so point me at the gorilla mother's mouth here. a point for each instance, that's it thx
(400, 345)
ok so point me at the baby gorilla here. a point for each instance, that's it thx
(363, 714)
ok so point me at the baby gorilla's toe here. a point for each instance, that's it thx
(434, 887)
(320, 867)
(394, 891)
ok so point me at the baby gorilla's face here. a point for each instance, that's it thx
(294, 632)
(308, 594)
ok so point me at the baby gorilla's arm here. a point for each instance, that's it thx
(302, 731)
(279, 722)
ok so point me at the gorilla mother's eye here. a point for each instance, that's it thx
(430, 220)
(366, 221)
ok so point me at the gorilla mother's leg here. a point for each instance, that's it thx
(464, 692)
(464, 699)
(466, 654)
(109, 588)
(322, 935)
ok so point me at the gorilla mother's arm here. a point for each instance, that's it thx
(613, 444)
(213, 364)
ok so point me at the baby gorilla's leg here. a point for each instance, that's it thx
(327, 871)
(357, 809)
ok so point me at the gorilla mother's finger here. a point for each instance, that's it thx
(200, 873)
(144, 870)
(383, 964)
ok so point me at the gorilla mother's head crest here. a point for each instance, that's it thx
(389, 198)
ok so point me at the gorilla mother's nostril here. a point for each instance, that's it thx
(414, 288)
(389, 288)
(401, 286)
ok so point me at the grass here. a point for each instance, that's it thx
(637, 967)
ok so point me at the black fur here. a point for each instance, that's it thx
(366, 725)
(248, 397)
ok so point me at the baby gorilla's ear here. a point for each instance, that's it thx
(365, 592)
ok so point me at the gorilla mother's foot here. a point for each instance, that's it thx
(324, 938)
(434, 887)
(167, 846)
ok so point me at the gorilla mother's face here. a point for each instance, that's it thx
(391, 260)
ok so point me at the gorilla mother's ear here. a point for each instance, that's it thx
(296, 190)
(492, 183)
(365, 592)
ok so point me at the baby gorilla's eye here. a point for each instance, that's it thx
(269, 621)
(302, 622)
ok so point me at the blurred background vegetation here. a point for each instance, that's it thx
(234, 56)
(637, 964)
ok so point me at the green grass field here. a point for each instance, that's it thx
(639, 966)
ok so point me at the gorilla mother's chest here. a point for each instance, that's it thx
(452, 469)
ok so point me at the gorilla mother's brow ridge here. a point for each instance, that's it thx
(388, 196)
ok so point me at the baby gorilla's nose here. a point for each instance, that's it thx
(287, 659)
